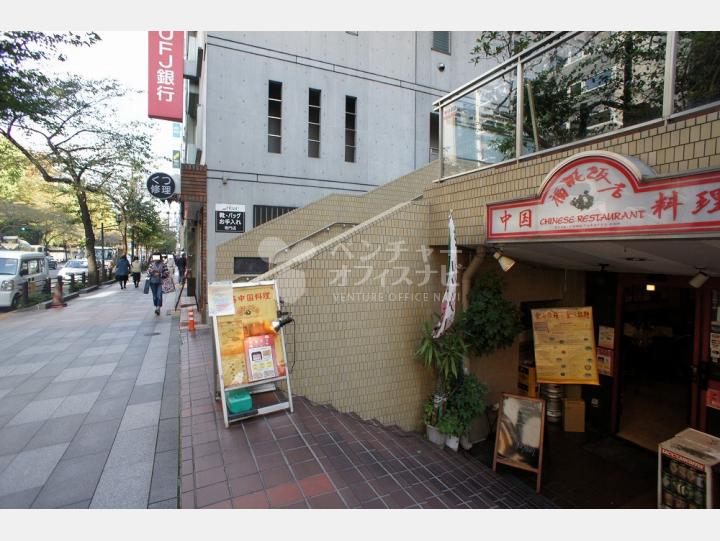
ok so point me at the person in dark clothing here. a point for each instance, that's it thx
(157, 272)
(122, 271)
(181, 263)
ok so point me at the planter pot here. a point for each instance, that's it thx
(465, 442)
(453, 442)
(433, 434)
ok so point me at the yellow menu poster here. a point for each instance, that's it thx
(246, 332)
(565, 346)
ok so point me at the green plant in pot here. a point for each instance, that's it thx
(451, 426)
(443, 355)
(468, 401)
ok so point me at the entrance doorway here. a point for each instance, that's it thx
(656, 354)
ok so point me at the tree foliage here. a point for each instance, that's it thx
(21, 74)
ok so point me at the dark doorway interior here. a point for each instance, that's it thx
(656, 356)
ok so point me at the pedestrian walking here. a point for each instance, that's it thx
(170, 262)
(181, 264)
(122, 271)
(136, 270)
(157, 272)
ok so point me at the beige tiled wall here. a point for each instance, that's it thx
(315, 216)
(356, 343)
(674, 147)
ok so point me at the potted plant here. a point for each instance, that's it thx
(451, 426)
(467, 401)
(443, 355)
(431, 413)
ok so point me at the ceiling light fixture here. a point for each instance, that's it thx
(699, 279)
(506, 263)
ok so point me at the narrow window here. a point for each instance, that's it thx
(274, 117)
(434, 135)
(350, 130)
(314, 123)
(265, 213)
(441, 42)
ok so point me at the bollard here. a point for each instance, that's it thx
(72, 283)
(25, 293)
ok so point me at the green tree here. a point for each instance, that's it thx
(21, 73)
(78, 142)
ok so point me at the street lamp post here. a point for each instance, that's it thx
(102, 249)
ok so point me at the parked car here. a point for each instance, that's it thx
(52, 262)
(78, 267)
(16, 268)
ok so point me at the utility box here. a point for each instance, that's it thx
(574, 417)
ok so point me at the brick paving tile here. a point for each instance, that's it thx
(377, 503)
(240, 468)
(265, 448)
(205, 437)
(291, 442)
(268, 462)
(433, 503)
(237, 455)
(209, 477)
(284, 431)
(297, 505)
(284, 494)
(276, 476)
(316, 485)
(330, 500)
(188, 500)
(298, 455)
(363, 491)
(208, 461)
(306, 469)
(208, 448)
(256, 500)
(212, 494)
(187, 483)
(384, 485)
(241, 486)
(401, 499)
(225, 504)
(186, 467)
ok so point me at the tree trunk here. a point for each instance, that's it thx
(89, 233)
(125, 239)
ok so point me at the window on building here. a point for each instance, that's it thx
(441, 42)
(314, 123)
(251, 266)
(350, 128)
(265, 213)
(434, 135)
(274, 117)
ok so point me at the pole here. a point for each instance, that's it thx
(102, 249)
(132, 241)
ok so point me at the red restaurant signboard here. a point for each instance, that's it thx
(604, 195)
(165, 75)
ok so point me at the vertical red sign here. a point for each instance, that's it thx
(165, 75)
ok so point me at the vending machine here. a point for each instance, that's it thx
(688, 471)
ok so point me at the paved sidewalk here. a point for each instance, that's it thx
(89, 404)
(318, 457)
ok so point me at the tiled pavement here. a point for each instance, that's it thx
(317, 457)
(89, 404)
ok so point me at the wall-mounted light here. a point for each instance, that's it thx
(224, 179)
(649, 287)
(506, 263)
(280, 322)
(441, 67)
(699, 279)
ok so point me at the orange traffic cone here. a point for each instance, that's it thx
(191, 320)
(57, 300)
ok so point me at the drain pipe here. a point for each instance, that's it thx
(467, 277)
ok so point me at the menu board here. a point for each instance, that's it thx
(519, 435)
(249, 349)
(565, 346)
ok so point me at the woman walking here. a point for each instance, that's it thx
(122, 270)
(136, 270)
(157, 272)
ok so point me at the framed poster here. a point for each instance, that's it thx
(564, 341)
(249, 351)
(519, 435)
(605, 361)
(606, 337)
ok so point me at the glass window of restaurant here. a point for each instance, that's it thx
(585, 84)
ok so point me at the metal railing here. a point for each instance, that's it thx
(323, 229)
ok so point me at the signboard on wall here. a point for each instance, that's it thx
(604, 195)
(165, 74)
(605, 361)
(229, 218)
(565, 345)
(161, 185)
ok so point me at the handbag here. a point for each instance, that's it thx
(167, 285)
(146, 287)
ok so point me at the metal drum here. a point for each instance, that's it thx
(553, 395)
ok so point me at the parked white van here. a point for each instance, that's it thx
(16, 268)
